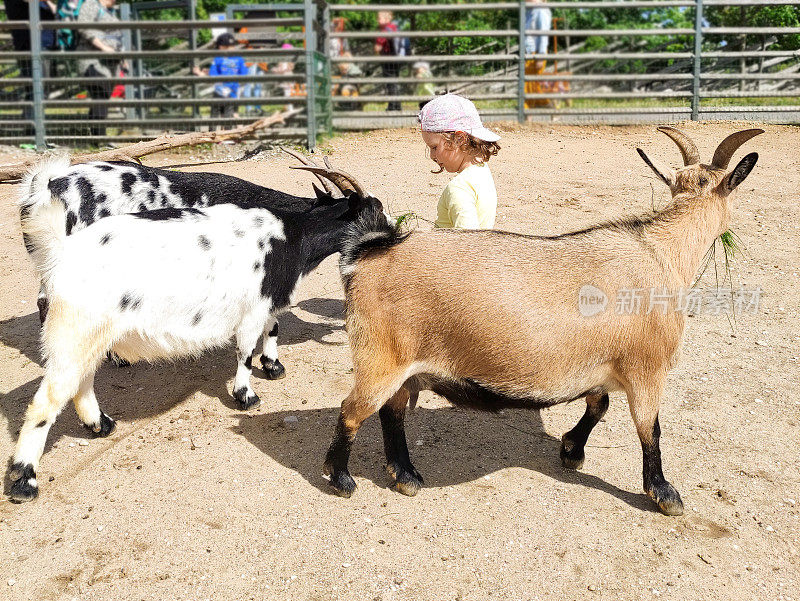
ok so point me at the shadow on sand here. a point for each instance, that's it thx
(458, 445)
(144, 390)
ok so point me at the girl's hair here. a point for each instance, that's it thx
(480, 150)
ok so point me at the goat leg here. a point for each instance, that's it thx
(407, 479)
(574, 441)
(273, 368)
(94, 420)
(338, 457)
(644, 403)
(42, 304)
(246, 338)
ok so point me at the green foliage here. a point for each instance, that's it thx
(756, 16)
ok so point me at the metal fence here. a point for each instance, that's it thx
(685, 72)
(49, 97)
(655, 71)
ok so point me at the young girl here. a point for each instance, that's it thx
(459, 143)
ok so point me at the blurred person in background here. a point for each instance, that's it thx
(108, 41)
(539, 18)
(286, 67)
(17, 10)
(387, 47)
(422, 72)
(220, 66)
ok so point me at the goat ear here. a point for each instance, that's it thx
(319, 193)
(738, 175)
(666, 174)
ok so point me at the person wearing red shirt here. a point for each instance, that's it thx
(386, 47)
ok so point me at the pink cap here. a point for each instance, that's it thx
(286, 46)
(451, 112)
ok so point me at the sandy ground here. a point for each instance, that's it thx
(192, 499)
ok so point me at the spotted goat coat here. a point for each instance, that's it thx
(92, 191)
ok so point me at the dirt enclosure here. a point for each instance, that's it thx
(191, 499)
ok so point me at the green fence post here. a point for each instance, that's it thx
(127, 44)
(311, 67)
(326, 28)
(193, 46)
(521, 79)
(36, 75)
(698, 48)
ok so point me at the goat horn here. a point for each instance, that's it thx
(342, 180)
(726, 148)
(305, 161)
(688, 149)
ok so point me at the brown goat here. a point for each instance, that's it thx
(492, 318)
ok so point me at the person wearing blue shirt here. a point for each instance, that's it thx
(225, 65)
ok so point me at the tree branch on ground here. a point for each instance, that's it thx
(165, 141)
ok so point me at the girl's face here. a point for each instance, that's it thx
(449, 157)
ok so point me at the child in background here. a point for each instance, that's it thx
(422, 71)
(286, 67)
(459, 143)
(225, 65)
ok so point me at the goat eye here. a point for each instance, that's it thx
(702, 181)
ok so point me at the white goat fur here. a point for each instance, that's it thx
(114, 198)
(152, 293)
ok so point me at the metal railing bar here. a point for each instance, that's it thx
(751, 76)
(414, 80)
(158, 102)
(622, 4)
(441, 58)
(297, 55)
(172, 25)
(575, 33)
(750, 30)
(169, 121)
(752, 94)
(273, 133)
(188, 79)
(609, 55)
(413, 98)
(611, 77)
(751, 54)
(609, 95)
(751, 109)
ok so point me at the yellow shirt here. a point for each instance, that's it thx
(469, 201)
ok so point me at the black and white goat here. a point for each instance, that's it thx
(160, 284)
(93, 191)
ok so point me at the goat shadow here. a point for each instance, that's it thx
(145, 390)
(293, 330)
(457, 445)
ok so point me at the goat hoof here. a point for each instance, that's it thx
(274, 370)
(24, 486)
(103, 428)
(117, 360)
(407, 480)
(42, 304)
(572, 457)
(343, 484)
(246, 398)
(667, 498)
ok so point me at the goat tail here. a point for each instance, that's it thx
(371, 232)
(43, 214)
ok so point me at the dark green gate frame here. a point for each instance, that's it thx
(318, 73)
